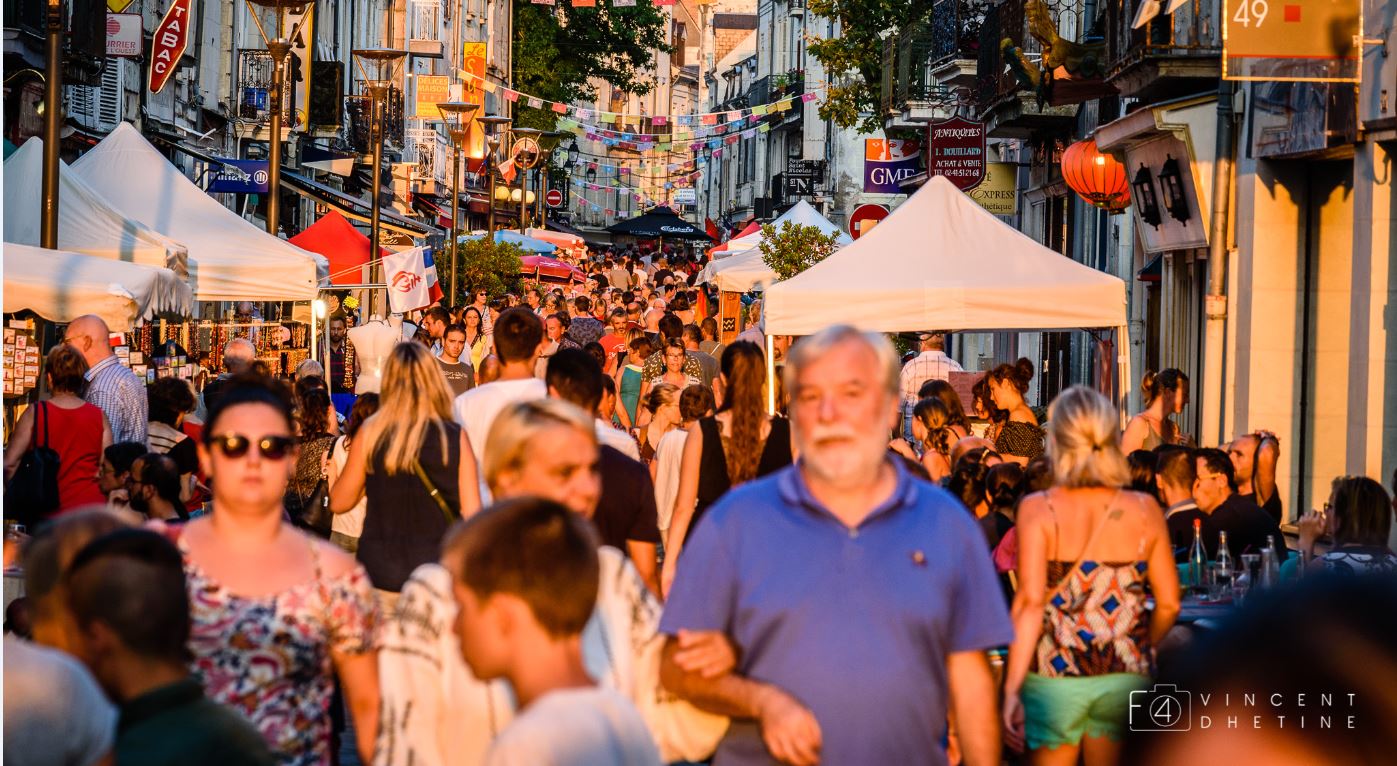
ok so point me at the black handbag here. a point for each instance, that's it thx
(32, 494)
(311, 510)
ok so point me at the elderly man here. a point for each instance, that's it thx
(862, 598)
(931, 364)
(110, 385)
(238, 355)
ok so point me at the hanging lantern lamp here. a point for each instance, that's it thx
(1098, 178)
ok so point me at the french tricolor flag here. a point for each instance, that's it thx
(433, 286)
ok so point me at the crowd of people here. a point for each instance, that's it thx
(566, 529)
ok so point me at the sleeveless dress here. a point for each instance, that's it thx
(403, 525)
(630, 390)
(76, 435)
(1019, 439)
(268, 658)
(713, 465)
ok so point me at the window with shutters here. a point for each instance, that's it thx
(111, 96)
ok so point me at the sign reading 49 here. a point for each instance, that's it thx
(1290, 40)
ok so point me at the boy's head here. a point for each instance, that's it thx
(525, 574)
(127, 593)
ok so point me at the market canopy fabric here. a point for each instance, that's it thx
(232, 259)
(565, 241)
(941, 261)
(344, 246)
(511, 237)
(743, 272)
(659, 223)
(549, 268)
(87, 223)
(62, 286)
(802, 213)
(726, 248)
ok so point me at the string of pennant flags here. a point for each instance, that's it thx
(607, 210)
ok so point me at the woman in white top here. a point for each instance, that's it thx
(346, 527)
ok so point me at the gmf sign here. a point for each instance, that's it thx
(167, 44)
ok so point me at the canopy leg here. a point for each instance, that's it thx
(1123, 371)
(770, 375)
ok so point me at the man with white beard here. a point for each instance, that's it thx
(863, 597)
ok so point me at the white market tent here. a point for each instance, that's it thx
(942, 262)
(231, 259)
(741, 267)
(87, 223)
(802, 213)
(62, 286)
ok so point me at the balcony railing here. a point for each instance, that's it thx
(955, 30)
(1193, 30)
(359, 110)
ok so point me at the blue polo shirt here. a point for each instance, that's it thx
(855, 623)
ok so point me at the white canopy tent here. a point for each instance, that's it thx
(942, 262)
(231, 258)
(87, 223)
(802, 213)
(62, 286)
(740, 273)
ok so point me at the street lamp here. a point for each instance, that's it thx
(527, 150)
(492, 124)
(379, 68)
(53, 118)
(548, 143)
(456, 115)
(278, 47)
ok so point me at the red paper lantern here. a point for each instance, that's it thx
(1098, 178)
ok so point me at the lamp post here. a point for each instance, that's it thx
(548, 143)
(492, 123)
(53, 118)
(456, 115)
(527, 150)
(383, 63)
(278, 47)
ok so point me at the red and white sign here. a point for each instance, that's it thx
(167, 44)
(864, 219)
(405, 274)
(554, 198)
(124, 35)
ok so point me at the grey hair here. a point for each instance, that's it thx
(808, 349)
(238, 353)
(1084, 441)
(309, 368)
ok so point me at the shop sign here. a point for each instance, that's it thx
(124, 35)
(432, 89)
(685, 196)
(1291, 40)
(167, 44)
(957, 152)
(240, 177)
(886, 162)
(999, 192)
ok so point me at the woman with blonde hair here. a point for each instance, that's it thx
(662, 405)
(1089, 551)
(415, 466)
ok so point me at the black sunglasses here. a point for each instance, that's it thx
(237, 445)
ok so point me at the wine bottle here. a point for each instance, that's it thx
(1224, 569)
(1198, 560)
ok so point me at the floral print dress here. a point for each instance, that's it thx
(268, 658)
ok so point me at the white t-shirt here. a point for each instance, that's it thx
(669, 454)
(48, 692)
(475, 410)
(576, 727)
(351, 522)
(617, 439)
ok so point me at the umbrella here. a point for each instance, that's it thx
(509, 236)
(659, 223)
(549, 268)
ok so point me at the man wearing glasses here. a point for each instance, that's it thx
(1247, 526)
(110, 385)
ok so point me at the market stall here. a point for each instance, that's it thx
(62, 286)
(87, 222)
(523, 242)
(940, 261)
(572, 244)
(660, 223)
(345, 247)
(232, 259)
(549, 270)
(725, 249)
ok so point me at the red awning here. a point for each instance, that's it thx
(345, 246)
(544, 267)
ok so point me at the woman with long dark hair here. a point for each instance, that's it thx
(1020, 439)
(955, 412)
(476, 338)
(739, 443)
(1165, 393)
(313, 432)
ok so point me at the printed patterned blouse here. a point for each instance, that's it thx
(268, 658)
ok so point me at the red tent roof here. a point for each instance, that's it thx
(550, 268)
(345, 246)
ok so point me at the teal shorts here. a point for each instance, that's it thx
(1061, 710)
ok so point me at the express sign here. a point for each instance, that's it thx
(168, 43)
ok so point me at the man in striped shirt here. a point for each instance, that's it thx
(931, 364)
(110, 385)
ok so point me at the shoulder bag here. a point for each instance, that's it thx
(32, 494)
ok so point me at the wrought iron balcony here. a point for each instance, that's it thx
(920, 73)
(1174, 53)
(359, 111)
(1006, 104)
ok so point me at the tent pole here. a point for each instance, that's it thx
(1123, 371)
(771, 375)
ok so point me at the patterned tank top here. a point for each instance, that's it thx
(1095, 621)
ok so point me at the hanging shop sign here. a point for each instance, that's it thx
(999, 192)
(432, 89)
(685, 196)
(240, 177)
(957, 151)
(886, 162)
(167, 44)
(124, 35)
(1291, 40)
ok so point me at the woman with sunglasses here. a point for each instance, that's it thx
(276, 614)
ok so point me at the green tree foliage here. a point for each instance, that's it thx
(485, 265)
(854, 56)
(795, 247)
(558, 48)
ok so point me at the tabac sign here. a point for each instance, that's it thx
(167, 44)
(956, 150)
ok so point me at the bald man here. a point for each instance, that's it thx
(110, 385)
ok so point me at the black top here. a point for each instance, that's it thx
(1181, 532)
(177, 725)
(1246, 525)
(1272, 506)
(1019, 439)
(403, 525)
(713, 463)
(626, 510)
